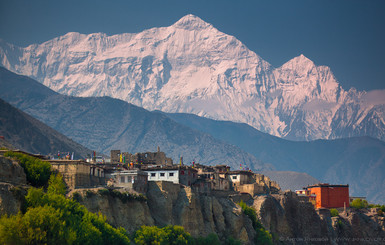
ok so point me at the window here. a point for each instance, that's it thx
(152, 174)
(161, 174)
(122, 179)
(171, 174)
(234, 177)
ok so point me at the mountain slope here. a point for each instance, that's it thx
(27, 133)
(103, 123)
(358, 161)
(192, 67)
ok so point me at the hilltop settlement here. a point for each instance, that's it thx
(203, 199)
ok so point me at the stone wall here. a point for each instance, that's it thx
(78, 174)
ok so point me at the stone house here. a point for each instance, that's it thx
(135, 179)
(212, 177)
(78, 173)
(137, 159)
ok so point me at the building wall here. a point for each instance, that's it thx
(163, 175)
(79, 174)
(187, 176)
(133, 180)
(252, 189)
(331, 197)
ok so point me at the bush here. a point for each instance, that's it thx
(56, 184)
(36, 170)
(211, 239)
(166, 235)
(77, 197)
(263, 236)
(359, 203)
(53, 219)
(89, 193)
(334, 212)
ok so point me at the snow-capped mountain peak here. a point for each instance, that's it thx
(191, 22)
(192, 67)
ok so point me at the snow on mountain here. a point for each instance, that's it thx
(194, 68)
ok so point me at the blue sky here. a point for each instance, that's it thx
(347, 35)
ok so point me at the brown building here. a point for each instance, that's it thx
(146, 158)
(212, 177)
(330, 196)
(78, 173)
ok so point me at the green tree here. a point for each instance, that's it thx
(359, 203)
(52, 218)
(334, 212)
(161, 236)
(56, 184)
(263, 236)
(36, 170)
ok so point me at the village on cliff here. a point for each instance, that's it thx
(132, 172)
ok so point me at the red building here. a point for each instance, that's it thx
(330, 196)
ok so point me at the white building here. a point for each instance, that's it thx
(177, 174)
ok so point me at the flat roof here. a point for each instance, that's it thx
(326, 186)
(169, 167)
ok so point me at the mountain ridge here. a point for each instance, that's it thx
(29, 134)
(191, 67)
(104, 123)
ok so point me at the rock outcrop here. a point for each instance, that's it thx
(12, 178)
(169, 203)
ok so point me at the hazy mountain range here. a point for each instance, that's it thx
(192, 67)
(103, 123)
(26, 133)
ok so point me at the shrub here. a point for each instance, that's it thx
(103, 192)
(56, 184)
(359, 203)
(53, 219)
(211, 239)
(334, 212)
(36, 170)
(89, 193)
(77, 197)
(166, 235)
(263, 236)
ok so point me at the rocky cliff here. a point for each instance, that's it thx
(169, 203)
(289, 219)
(12, 179)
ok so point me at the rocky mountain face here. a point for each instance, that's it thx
(294, 221)
(192, 67)
(103, 123)
(25, 132)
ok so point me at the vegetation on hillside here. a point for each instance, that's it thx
(334, 212)
(263, 236)
(37, 171)
(359, 203)
(51, 218)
